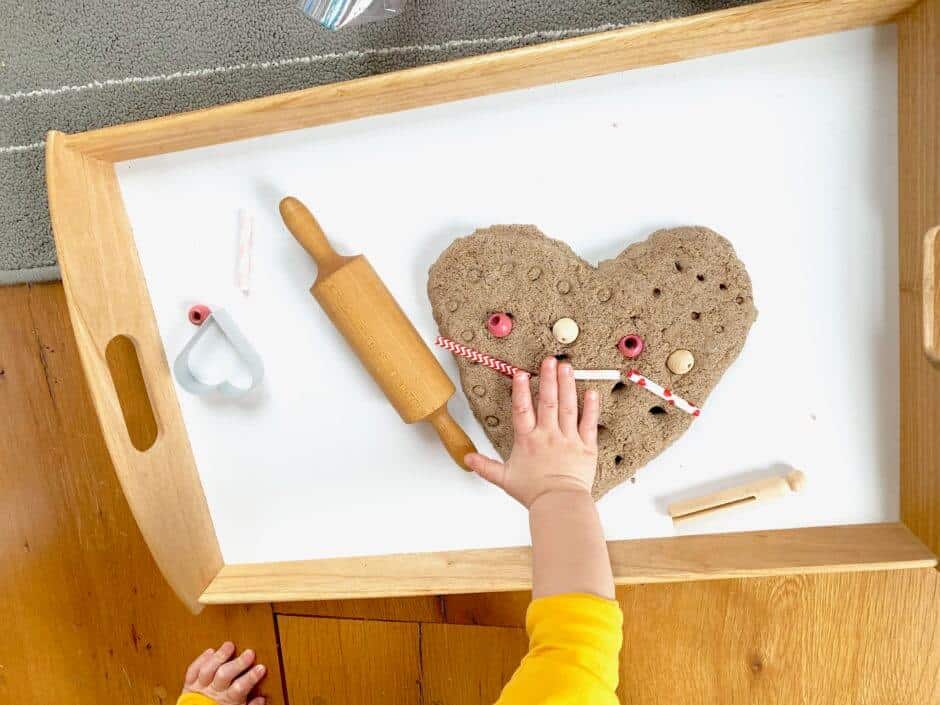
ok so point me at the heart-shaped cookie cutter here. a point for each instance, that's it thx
(205, 319)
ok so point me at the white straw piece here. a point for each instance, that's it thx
(597, 375)
(245, 235)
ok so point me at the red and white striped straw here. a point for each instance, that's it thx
(475, 355)
(663, 393)
(510, 370)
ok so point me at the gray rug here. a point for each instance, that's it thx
(79, 65)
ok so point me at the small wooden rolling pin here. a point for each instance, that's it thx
(735, 496)
(378, 331)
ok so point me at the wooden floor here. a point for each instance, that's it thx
(85, 617)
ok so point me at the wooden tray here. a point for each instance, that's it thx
(97, 254)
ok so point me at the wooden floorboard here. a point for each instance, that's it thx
(864, 638)
(350, 661)
(491, 609)
(466, 665)
(86, 617)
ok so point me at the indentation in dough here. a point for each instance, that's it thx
(479, 390)
(492, 421)
(467, 335)
(506, 268)
(453, 305)
(534, 273)
(563, 286)
(603, 294)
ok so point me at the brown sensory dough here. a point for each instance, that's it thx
(681, 289)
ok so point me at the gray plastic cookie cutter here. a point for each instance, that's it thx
(205, 319)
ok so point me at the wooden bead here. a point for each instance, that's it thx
(630, 346)
(198, 314)
(680, 362)
(499, 325)
(565, 331)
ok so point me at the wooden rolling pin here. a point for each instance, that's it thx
(378, 331)
(751, 492)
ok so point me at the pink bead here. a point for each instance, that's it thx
(631, 346)
(499, 324)
(198, 314)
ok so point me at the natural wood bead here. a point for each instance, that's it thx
(565, 331)
(680, 362)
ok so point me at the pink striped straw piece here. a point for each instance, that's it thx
(475, 355)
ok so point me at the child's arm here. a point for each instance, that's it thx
(574, 626)
(550, 472)
(215, 678)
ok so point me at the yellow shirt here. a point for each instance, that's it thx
(574, 649)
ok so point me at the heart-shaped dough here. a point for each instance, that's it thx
(681, 289)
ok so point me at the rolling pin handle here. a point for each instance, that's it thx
(455, 440)
(305, 228)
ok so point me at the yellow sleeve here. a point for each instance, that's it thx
(574, 649)
(195, 699)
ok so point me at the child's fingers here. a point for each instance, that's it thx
(257, 701)
(487, 468)
(242, 686)
(567, 400)
(548, 394)
(208, 669)
(230, 671)
(589, 418)
(523, 415)
(192, 673)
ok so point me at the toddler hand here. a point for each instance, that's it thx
(551, 451)
(225, 680)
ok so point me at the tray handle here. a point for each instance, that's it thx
(931, 295)
(126, 369)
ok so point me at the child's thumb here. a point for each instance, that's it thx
(487, 468)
